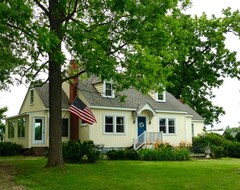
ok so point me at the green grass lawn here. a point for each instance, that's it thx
(127, 175)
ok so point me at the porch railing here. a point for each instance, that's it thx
(146, 138)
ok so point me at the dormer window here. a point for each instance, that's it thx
(108, 89)
(161, 96)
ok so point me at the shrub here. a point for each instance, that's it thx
(75, 151)
(220, 145)
(131, 154)
(10, 149)
(217, 151)
(116, 154)
(164, 154)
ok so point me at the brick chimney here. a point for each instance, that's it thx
(74, 120)
(181, 100)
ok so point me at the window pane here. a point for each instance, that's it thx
(21, 127)
(160, 96)
(109, 124)
(11, 125)
(38, 129)
(171, 126)
(108, 89)
(162, 125)
(64, 127)
(120, 125)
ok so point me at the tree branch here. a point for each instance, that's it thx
(73, 76)
(42, 7)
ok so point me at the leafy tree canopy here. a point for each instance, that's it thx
(199, 60)
(2, 125)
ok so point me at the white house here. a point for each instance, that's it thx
(138, 120)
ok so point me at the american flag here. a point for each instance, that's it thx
(82, 111)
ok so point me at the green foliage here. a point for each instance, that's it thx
(10, 149)
(75, 151)
(202, 61)
(2, 125)
(163, 153)
(126, 154)
(219, 145)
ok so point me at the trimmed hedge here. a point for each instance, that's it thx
(10, 149)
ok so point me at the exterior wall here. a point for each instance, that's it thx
(98, 135)
(198, 127)
(152, 94)
(36, 106)
(65, 87)
(84, 132)
(39, 115)
(180, 127)
(24, 141)
(99, 88)
(188, 130)
(28, 140)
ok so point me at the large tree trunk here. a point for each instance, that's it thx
(55, 125)
(55, 89)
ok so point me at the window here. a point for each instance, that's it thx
(114, 124)
(120, 125)
(64, 127)
(108, 90)
(11, 125)
(162, 125)
(21, 123)
(109, 124)
(31, 96)
(167, 125)
(161, 96)
(171, 126)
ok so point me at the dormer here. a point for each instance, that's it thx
(158, 96)
(105, 88)
(161, 96)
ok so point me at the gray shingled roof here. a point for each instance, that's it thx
(43, 92)
(133, 100)
(192, 112)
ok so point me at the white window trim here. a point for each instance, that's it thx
(43, 131)
(167, 125)
(104, 90)
(115, 125)
(164, 97)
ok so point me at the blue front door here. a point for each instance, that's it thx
(141, 125)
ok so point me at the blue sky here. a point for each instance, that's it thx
(227, 96)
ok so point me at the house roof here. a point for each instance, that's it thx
(192, 112)
(134, 99)
(43, 92)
